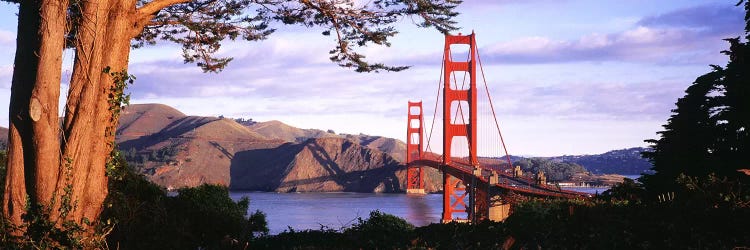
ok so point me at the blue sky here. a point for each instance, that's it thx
(567, 77)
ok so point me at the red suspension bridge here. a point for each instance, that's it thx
(473, 190)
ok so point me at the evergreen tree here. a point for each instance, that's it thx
(708, 131)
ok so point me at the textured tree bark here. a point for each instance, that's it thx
(34, 145)
(35, 167)
(82, 142)
(105, 44)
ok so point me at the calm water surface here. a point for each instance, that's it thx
(336, 210)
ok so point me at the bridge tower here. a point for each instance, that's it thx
(471, 193)
(455, 190)
(414, 151)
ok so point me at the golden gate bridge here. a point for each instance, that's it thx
(473, 190)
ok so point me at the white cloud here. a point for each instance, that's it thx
(526, 45)
(639, 44)
(594, 41)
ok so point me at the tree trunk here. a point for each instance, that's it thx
(35, 168)
(81, 138)
(34, 145)
(40, 167)
(104, 42)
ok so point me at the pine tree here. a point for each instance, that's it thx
(708, 131)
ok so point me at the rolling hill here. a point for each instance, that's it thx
(279, 130)
(282, 131)
(175, 150)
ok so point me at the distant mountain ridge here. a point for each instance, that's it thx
(279, 130)
(623, 161)
(175, 150)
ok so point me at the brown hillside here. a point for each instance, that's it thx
(396, 148)
(282, 131)
(317, 165)
(175, 151)
(186, 150)
(279, 130)
(138, 120)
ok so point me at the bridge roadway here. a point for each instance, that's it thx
(461, 169)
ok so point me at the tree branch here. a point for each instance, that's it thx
(155, 6)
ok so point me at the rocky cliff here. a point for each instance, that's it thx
(321, 164)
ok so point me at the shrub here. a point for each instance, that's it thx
(381, 230)
(146, 217)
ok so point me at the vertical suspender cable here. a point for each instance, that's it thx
(492, 107)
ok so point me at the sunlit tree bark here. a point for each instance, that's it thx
(34, 146)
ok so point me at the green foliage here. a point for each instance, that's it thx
(144, 216)
(39, 232)
(138, 160)
(324, 238)
(213, 215)
(116, 166)
(629, 190)
(709, 131)
(246, 122)
(380, 231)
(200, 26)
(616, 225)
(257, 225)
(713, 191)
(165, 154)
(454, 235)
(116, 97)
(554, 170)
(137, 209)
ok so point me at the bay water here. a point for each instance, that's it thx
(302, 211)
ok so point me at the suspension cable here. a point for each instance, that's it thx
(492, 106)
(437, 98)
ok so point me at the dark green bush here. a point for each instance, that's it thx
(485, 235)
(380, 230)
(146, 217)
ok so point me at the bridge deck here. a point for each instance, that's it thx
(506, 181)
